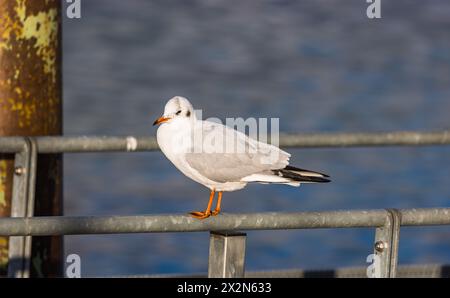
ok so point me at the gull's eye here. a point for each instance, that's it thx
(178, 113)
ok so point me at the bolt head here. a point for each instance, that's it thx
(19, 171)
(380, 246)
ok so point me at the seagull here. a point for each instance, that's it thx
(196, 148)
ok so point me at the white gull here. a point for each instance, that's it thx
(200, 150)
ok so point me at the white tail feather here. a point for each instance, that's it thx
(268, 178)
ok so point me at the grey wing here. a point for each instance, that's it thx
(221, 163)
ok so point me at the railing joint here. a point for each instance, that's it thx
(386, 245)
(22, 205)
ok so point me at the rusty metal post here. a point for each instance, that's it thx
(31, 105)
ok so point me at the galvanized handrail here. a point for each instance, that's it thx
(131, 143)
(69, 225)
(227, 249)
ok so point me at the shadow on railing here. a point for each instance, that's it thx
(407, 271)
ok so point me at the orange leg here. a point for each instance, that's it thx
(207, 212)
(219, 200)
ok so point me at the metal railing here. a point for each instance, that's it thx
(227, 244)
(131, 143)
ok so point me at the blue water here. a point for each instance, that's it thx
(317, 65)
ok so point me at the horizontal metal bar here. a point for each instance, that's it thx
(81, 144)
(12, 144)
(41, 226)
(398, 138)
(130, 143)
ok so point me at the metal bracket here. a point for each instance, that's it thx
(226, 254)
(22, 205)
(386, 244)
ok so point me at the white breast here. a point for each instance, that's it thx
(175, 141)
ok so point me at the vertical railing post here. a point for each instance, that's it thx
(386, 244)
(226, 254)
(22, 205)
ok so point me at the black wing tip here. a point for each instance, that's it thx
(325, 180)
(291, 168)
(312, 179)
(300, 178)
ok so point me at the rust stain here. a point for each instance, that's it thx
(3, 255)
(41, 27)
(29, 54)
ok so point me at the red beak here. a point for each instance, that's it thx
(161, 120)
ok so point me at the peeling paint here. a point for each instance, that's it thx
(31, 36)
(25, 109)
(42, 28)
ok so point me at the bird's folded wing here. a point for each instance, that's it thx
(223, 154)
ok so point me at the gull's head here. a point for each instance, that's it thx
(177, 108)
